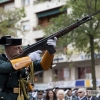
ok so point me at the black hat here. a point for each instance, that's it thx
(40, 92)
(9, 41)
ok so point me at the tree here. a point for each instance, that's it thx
(84, 36)
(9, 22)
(9, 19)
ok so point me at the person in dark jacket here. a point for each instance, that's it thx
(88, 96)
(39, 95)
(15, 73)
(69, 95)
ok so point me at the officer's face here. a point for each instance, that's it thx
(13, 51)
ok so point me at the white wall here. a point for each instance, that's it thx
(9, 6)
(97, 70)
(47, 76)
(72, 73)
(47, 5)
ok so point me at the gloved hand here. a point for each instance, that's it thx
(35, 55)
(52, 42)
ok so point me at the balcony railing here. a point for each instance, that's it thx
(3, 1)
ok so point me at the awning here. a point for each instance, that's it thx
(49, 12)
(2, 1)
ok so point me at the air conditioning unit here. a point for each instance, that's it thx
(88, 76)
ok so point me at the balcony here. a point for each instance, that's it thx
(5, 1)
(47, 5)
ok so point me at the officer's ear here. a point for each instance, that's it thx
(7, 50)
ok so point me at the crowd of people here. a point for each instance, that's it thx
(63, 94)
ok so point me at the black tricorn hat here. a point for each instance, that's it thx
(40, 92)
(9, 41)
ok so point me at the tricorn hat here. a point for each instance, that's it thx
(10, 41)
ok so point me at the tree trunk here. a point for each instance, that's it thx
(92, 61)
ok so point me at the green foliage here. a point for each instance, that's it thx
(80, 36)
(57, 24)
(8, 19)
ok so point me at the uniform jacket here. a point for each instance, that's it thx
(7, 69)
(73, 98)
(85, 98)
(93, 98)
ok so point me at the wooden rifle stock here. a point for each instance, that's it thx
(41, 45)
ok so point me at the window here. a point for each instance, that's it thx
(82, 71)
(44, 21)
(26, 26)
(58, 74)
(45, 16)
(25, 2)
(39, 77)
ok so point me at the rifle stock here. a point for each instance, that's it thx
(41, 44)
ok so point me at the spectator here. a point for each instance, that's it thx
(75, 92)
(55, 90)
(51, 95)
(90, 97)
(60, 95)
(39, 95)
(69, 95)
(81, 94)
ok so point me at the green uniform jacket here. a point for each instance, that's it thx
(73, 98)
(6, 69)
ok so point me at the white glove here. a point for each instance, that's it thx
(35, 55)
(52, 42)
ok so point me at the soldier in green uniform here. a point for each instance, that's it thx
(13, 70)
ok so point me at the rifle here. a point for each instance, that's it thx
(41, 44)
